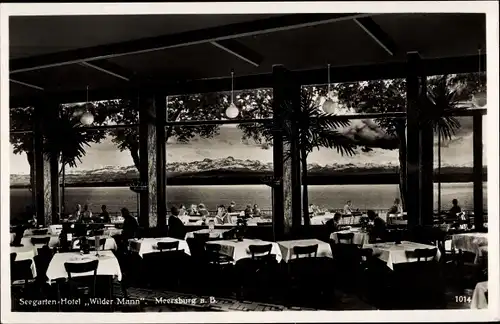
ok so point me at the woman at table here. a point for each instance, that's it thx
(76, 215)
(203, 211)
(396, 208)
(222, 216)
(248, 212)
(175, 227)
(193, 211)
(86, 216)
(256, 211)
(182, 210)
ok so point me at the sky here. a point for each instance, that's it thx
(457, 152)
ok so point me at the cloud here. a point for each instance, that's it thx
(366, 132)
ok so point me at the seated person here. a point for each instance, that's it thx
(232, 207)
(76, 215)
(222, 216)
(256, 211)
(248, 212)
(175, 227)
(193, 211)
(348, 208)
(104, 215)
(203, 211)
(130, 225)
(379, 226)
(18, 235)
(455, 209)
(333, 224)
(86, 215)
(182, 210)
(396, 208)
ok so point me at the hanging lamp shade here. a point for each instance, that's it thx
(329, 106)
(232, 111)
(87, 119)
(479, 99)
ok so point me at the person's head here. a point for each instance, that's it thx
(233, 204)
(201, 206)
(454, 202)
(125, 212)
(255, 206)
(86, 207)
(182, 206)
(249, 206)
(397, 201)
(337, 217)
(349, 203)
(174, 210)
(371, 215)
(103, 208)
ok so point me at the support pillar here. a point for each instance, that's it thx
(426, 193)
(477, 142)
(413, 140)
(286, 94)
(152, 160)
(43, 195)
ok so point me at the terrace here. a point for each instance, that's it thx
(168, 58)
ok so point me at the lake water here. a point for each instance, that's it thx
(328, 197)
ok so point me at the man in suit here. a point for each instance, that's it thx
(379, 225)
(175, 227)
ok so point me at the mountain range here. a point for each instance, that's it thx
(231, 170)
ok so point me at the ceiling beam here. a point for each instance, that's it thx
(109, 68)
(27, 84)
(208, 35)
(451, 65)
(377, 34)
(240, 51)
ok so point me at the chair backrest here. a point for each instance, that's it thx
(21, 270)
(306, 251)
(424, 254)
(259, 251)
(202, 236)
(174, 245)
(40, 240)
(42, 231)
(213, 248)
(345, 237)
(81, 267)
(134, 245)
(13, 257)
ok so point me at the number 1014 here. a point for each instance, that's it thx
(462, 299)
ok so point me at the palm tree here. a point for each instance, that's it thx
(65, 141)
(314, 129)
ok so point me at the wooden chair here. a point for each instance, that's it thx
(82, 285)
(424, 255)
(306, 251)
(345, 238)
(214, 256)
(40, 240)
(42, 231)
(202, 236)
(260, 251)
(168, 246)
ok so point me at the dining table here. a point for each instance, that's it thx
(150, 245)
(287, 253)
(26, 253)
(212, 233)
(238, 250)
(108, 264)
(394, 253)
(360, 236)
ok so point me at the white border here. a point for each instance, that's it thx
(488, 7)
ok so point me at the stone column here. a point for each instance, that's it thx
(478, 170)
(287, 195)
(152, 160)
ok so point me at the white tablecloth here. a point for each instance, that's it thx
(215, 233)
(392, 253)
(479, 300)
(55, 229)
(470, 242)
(110, 243)
(320, 219)
(239, 250)
(108, 264)
(149, 245)
(26, 253)
(360, 238)
(112, 231)
(53, 242)
(286, 248)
